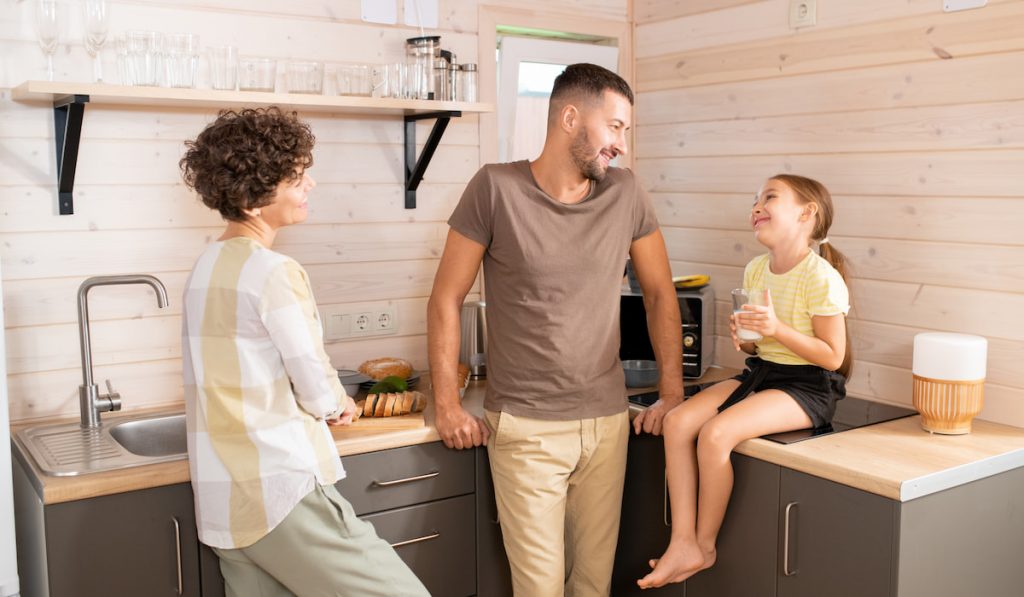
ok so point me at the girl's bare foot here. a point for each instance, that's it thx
(680, 561)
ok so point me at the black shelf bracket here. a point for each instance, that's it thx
(414, 168)
(68, 112)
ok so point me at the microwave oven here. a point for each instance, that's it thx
(697, 315)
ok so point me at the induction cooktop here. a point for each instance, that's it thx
(850, 414)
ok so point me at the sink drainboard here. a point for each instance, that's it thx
(67, 448)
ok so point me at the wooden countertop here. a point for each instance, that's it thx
(896, 459)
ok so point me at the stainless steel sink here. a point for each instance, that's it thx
(124, 442)
(163, 436)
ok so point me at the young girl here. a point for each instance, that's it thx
(793, 381)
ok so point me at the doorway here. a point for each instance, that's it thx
(527, 67)
(539, 45)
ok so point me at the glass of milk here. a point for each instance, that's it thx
(740, 297)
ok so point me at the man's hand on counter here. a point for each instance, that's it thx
(458, 428)
(651, 418)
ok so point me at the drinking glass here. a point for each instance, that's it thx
(256, 74)
(47, 31)
(181, 59)
(354, 79)
(305, 77)
(223, 67)
(745, 296)
(145, 53)
(379, 81)
(96, 25)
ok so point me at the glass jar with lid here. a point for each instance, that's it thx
(422, 54)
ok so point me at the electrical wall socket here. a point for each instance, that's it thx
(345, 322)
(803, 13)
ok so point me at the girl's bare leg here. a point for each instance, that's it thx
(769, 411)
(692, 547)
(680, 429)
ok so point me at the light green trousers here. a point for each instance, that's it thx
(320, 548)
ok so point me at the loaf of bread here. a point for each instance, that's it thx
(393, 404)
(378, 369)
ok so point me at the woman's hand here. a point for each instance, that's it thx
(345, 418)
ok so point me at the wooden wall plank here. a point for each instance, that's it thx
(942, 219)
(985, 267)
(895, 385)
(120, 207)
(929, 37)
(48, 255)
(990, 173)
(893, 345)
(648, 11)
(156, 162)
(968, 79)
(769, 19)
(993, 125)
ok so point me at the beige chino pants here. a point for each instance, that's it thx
(558, 487)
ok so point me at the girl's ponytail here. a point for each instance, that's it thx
(811, 191)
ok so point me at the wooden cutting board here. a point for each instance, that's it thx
(410, 421)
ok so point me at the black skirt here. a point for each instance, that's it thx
(815, 389)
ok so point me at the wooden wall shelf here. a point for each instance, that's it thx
(68, 100)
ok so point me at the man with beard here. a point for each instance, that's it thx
(553, 236)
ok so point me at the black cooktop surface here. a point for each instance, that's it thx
(850, 414)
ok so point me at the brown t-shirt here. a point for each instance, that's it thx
(553, 277)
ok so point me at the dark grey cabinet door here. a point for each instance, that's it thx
(644, 528)
(437, 542)
(493, 577)
(835, 540)
(747, 543)
(135, 543)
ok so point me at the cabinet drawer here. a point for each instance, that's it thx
(437, 541)
(403, 476)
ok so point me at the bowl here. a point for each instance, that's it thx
(350, 380)
(640, 373)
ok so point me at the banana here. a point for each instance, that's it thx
(692, 281)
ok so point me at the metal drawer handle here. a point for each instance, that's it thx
(785, 542)
(406, 480)
(177, 548)
(433, 535)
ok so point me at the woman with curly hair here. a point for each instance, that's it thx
(259, 387)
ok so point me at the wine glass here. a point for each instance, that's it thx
(96, 24)
(47, 31)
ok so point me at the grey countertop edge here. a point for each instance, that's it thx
(960, 475)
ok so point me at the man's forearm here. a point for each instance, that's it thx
(665, 330)
(443, 351)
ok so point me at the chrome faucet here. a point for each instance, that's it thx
(90, 400)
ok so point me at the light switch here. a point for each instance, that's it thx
(803, 13)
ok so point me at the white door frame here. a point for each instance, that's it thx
(490, 17)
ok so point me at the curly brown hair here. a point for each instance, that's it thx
(238, 160)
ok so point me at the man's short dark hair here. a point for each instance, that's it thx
(236, 163)
(590, 81)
